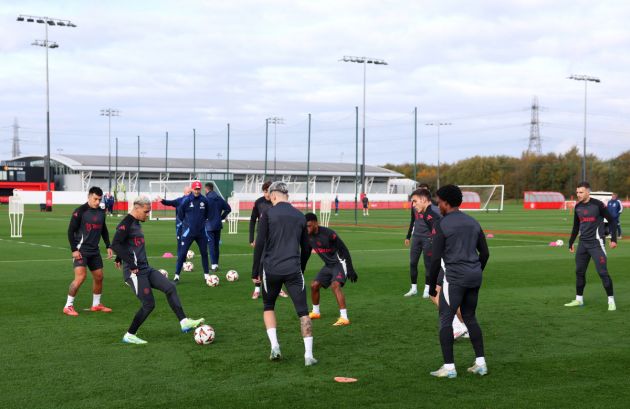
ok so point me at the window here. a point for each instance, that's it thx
(21, 176)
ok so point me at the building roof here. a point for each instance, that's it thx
(185, 165)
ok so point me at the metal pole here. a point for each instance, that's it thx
(438, 156)
(266, 145)
(166, 159)
(363, 142)
(109, 159)
(138, 177)
(116, 171)
(47, 164)
(584, 149)
(228, 151)
(356, 164)
(308, 160)
(275, 135)
(415, 144)
(194, 153)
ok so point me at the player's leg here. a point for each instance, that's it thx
(315, 286)
(80, 272)
(257, 287)
(415, 250)
(202, 243)
(341, 302)
(270, 289)
(468, 311)
(184, 245)
(297, 292)
(214, 248)
(450, 300)
(582, 259)
(95, 264)
(598, 254)
(159, 282)
(141, 287)
(426, 257)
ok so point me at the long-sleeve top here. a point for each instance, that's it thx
(218, 210)
(86, 228)
(129, 244)
(461, 243)
(193, 212)
(329, 247)
(421, 224)
(615, 208)
(281, 243)
(175, 203)
(260, 207)
(588, 220)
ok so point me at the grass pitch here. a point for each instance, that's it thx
(539, 353)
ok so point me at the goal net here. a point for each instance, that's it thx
(170, 190)
(482, 197)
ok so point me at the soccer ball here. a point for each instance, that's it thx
(213, 280)
(231, 275)
(190, 255)
(204, 335)
(559, 243)
(188, 266)
(164, 272)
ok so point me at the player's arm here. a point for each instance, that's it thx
(305, 249)
(482, 249)
(344, 253)
(576, 229)
(172, 203)
(227, 209)
(261, 239)
(620, 207)
(410, 230)
(105, 235)
(119, 244)
(612, 224)
(439, 242)
(73, 228)
(252, 222)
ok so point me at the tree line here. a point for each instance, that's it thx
(550, 172)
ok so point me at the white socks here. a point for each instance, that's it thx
(273, 338)
(316, 308)
(480, 361)
(449, 367)
(611, 300)
(257, 289)
(344, 313)
(414, 287)
(206, 277)
(214, 266)
(308, 346)
(70, 301)
(96, 299)
(426, 288)
(579, 298)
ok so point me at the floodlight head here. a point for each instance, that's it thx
(70, 24)
(20, 18)
(53, 45)
(51, 22)
(61, 23)
(30, 20)
(40, 21)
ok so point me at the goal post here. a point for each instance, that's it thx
(170, 190)
(233, 217)
(482, 197)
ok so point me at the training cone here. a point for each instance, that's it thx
(490, 236)
(167, 255)
(553, 244)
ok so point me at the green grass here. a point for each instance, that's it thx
(539, 353)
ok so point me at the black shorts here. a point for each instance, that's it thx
(272, 284)
(91, 261)
(328, 274)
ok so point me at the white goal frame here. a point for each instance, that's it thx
(486, 205)
(16, 215)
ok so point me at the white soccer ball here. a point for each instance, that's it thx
(190, 254)
(559, 243)
(204, 335)
(213, 280)
(231, 275)
(164, 272)
(188, 266)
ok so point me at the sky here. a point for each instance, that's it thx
(173, 67)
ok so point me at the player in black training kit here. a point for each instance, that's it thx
(461, 244)
(420, 226)
(588, 221)
(337, 267)
(86, 228)
(129, 246)
(280, 256)
(261, 205)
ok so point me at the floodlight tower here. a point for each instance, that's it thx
(365, 61)
(46, 21)
(438, 125)
(586, 79)
(275, 121)
(109, 113)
